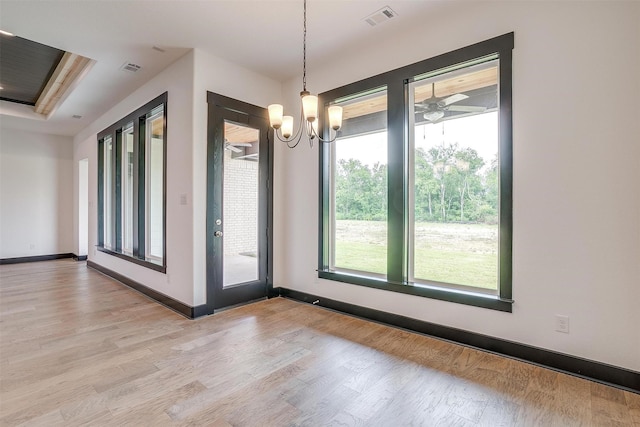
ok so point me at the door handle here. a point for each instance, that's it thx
(218, 233)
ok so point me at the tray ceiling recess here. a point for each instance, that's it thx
(37, 75)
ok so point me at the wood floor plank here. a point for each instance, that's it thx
(633, 403)
(47, 401)
(52, 419)
(77, 348)
(572, 400)
(500, 413)
(609, 405)
(375, 399)
(536, 409)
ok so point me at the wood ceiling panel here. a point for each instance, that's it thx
(25, 68)
(443, 88)
(157, 128)
(239, 134)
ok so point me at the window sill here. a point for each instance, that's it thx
(491, 302)
(138, 261)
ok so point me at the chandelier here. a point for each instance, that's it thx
(283, 125)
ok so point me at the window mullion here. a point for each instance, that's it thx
(117, 155)
(101, 189)
(410, 205)
(326, 247)
(332, 216)
(139, 187)
(396, 182)
(506, 173)
(112, 177)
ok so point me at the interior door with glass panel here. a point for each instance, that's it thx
(238, 203)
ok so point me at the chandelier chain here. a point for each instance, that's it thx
(304, 49)
(307, 123)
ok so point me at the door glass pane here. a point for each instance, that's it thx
(240, 204)
(359, 186)
(127, 189)
(154, 184)
(455, 210)
(108, 192)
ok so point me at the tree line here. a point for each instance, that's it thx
(452, 184)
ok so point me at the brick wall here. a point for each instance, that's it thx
(240, 210)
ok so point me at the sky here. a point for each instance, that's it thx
(479, 131)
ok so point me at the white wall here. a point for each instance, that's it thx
(225, 78)
(187, 81)
(82, 228)
(36, 189)
(177, 80)
(576, 174)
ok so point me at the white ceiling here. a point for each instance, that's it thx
(262, 35)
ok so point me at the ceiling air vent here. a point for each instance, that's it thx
(131, 67)
(380, 16)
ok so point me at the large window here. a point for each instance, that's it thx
(154, 184)
(359, 187)
(131, 186)
(416, 190)
(107, 184)
(127, 189)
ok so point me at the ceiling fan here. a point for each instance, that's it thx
(433, 108)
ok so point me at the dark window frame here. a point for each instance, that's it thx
(396, 82)
(138, 118)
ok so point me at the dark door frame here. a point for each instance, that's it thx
(220, 108)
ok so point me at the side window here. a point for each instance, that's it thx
(454, 180)
(127, 189)
(131, 186)
(154, 185)
(358, 202)
(108, 185)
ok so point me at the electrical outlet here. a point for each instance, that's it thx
(562, 323)
(32, 246)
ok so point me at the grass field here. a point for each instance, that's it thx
(464, 254)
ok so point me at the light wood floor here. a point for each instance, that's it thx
(78, 348)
